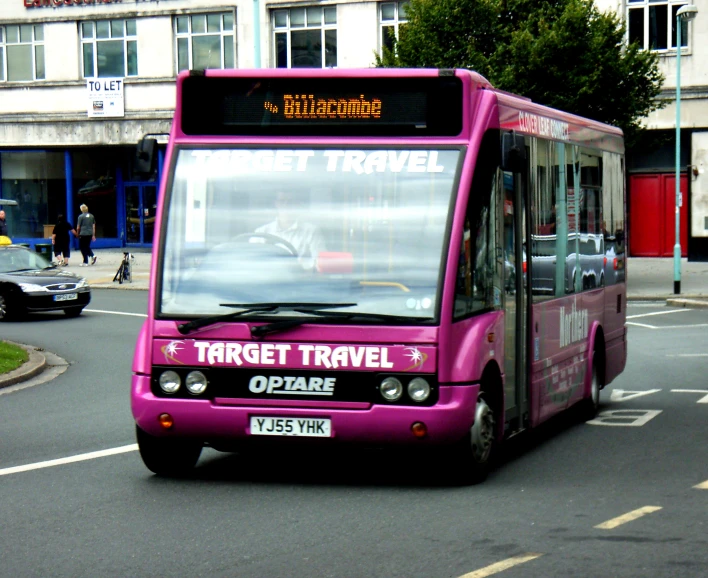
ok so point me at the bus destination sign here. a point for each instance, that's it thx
(371, 106)
(319, 107)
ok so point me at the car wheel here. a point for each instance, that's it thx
(73, 311)
(470, 459)
(168, 456)
(9, 307)
(4, 307)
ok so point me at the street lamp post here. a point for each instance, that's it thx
(685, 13)
(256, 34)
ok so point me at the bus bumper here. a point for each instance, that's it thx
(447, 421)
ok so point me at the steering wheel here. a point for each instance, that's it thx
(269, 240)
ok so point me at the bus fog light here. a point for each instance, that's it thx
(391, 389)
(170, 381)
(418, 389)
(196, 382)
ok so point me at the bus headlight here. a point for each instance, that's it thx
(196, 382)
(169, 381)
(391, 389)
(418, 389)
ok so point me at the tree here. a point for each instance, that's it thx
(562, 53)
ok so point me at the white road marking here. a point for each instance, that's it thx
(667, 326)
(687, 355)
(625, 394)
(625, 417)
(69, 460)
(116, 312)
(703, 486)
(628, 517)
(501, 566)
(656, 313)
(704, 399)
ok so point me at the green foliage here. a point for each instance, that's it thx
(11, 357)
(561, 53)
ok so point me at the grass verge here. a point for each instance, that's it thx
(11, 357)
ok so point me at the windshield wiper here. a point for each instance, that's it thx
(330, 317)
(247, 308)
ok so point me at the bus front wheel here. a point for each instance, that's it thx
(167, 456)
(472, 456)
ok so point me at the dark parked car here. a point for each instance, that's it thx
(28, 282)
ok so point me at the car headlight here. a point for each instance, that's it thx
(391, 389)
(169, 381)
(196, 382)
(418, 389)
(31, 287)
(81, 283)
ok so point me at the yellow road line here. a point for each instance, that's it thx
(703, 486)
(501, 566)
(628, 517)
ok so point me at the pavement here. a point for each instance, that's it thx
(648, 279)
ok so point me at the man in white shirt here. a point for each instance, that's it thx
(305, 237)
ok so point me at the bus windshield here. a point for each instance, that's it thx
(361, 227)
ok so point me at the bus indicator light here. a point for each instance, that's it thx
(165, 420)
(419, 429)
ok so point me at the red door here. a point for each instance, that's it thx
(652, 225)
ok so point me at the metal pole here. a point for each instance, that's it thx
(677, 246)
(256, 34)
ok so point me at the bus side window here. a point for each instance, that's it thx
(479, 270)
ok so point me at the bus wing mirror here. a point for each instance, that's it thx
(513, 152)
(145, 156)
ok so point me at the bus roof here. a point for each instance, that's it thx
(342, 102)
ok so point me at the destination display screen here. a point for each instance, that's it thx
(429, 106)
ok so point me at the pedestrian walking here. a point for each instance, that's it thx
(60, 240)
(86, 228)
(3, 225)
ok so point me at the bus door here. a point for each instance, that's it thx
(140, 208)
(516, 302)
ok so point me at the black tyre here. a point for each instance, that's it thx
(589, 406)
(167, 456)
(471, 458)
(4, 307)
(73, 311)
(10, 307)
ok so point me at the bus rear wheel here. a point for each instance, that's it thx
(168, 457)
(472, 456)
(590, 405)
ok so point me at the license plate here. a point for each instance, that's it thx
(66, 297)
(291, 426)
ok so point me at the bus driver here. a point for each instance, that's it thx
(305, 237)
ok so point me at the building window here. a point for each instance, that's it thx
(22, 52)
(205, 41)
(109, 48)
(305, 37)
(652, 24)
(392, 15)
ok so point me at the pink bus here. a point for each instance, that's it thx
(379, 257)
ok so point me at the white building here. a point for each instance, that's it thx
(651, 168)
(61, 146)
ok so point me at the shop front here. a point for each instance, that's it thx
(43, 184)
